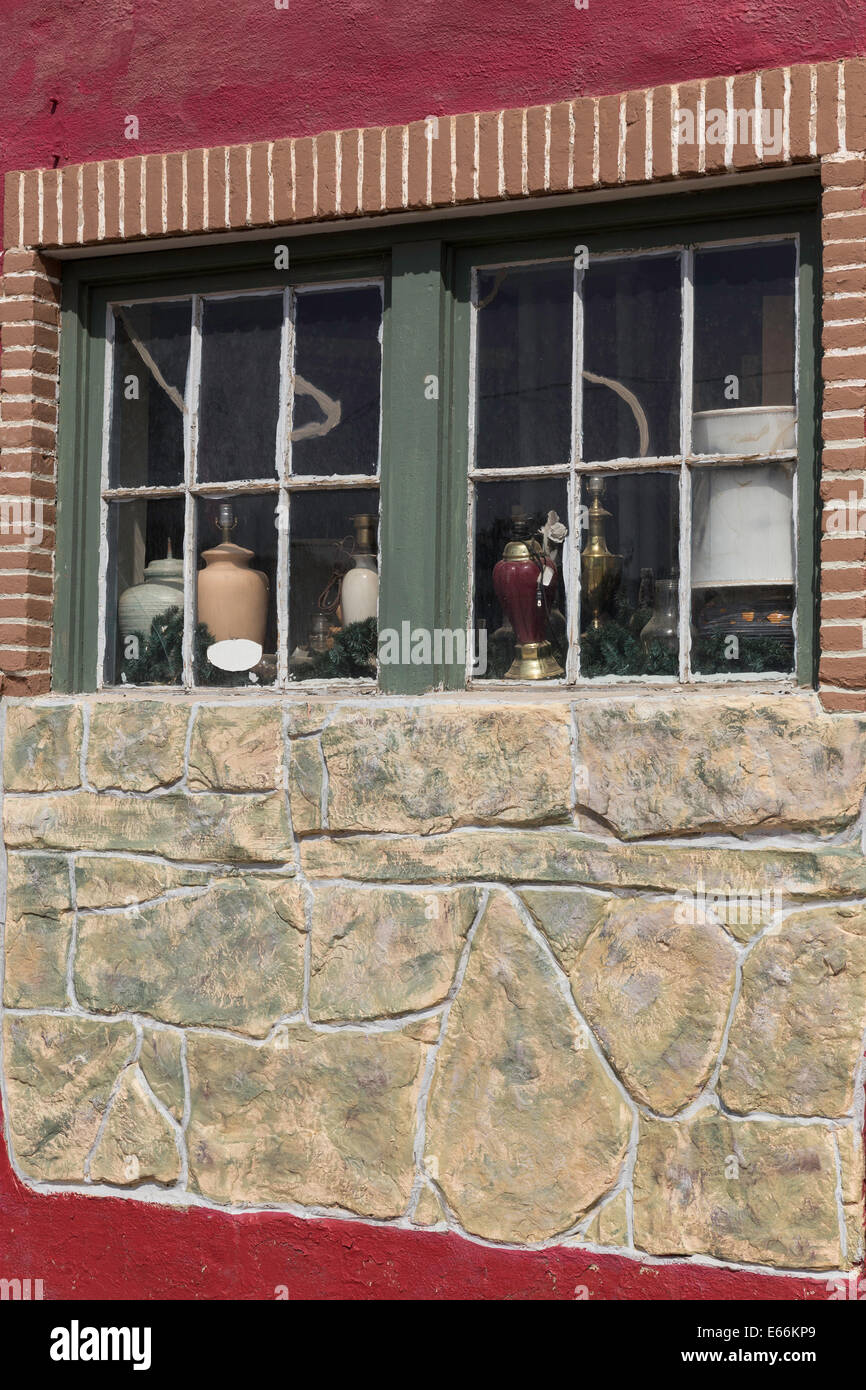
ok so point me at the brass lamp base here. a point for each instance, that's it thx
(535, 662)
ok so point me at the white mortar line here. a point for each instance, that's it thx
(192, 890)
(180, 1183)
(187, 745)
(118, 1080)
(73, 935)
(565, 989)
(420, 1140)
(840, 1206)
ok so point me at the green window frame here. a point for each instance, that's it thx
(426, 267)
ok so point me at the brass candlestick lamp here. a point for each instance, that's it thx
(600, 568)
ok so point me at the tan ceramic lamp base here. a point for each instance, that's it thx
(232, 598)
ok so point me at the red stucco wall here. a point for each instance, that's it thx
(105, 1248)
(206, 73)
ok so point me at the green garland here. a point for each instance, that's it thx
(755, 654)
(160, 655)
(615, 649)
(353, 654)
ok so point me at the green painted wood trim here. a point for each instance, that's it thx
(412, 456)
(809, 456)
(79, 451)
(336, 241)
(457, 579)
(425, 569)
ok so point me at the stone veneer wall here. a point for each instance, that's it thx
(422, 962)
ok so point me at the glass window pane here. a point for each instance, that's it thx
(151, 358)
(524, 366)
(338, 372)
(744, 350)
(240, 388)
(236, 635)
(521, 616)
(629, 574)
(742, 569)
(144, 606)
(632, 335)
(333, 584)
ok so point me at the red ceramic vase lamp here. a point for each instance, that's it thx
(523, 582)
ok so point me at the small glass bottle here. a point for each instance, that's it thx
(662, 626)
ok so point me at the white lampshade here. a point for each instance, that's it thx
(744, 430)
(742, 528)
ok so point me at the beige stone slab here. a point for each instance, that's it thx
(306, 781)
(609, 1226)
(796, 1036)
(160, 1061)
(230, 957)
(525, 1129)
(42, 748)
(59, 1076)
(730, 762)
(385, 951)
(425, 1029)
(656, 990)
(427, 768)
(36, 883)
(138, 1143)
(38, 931)
(307, 716)
(564, 856)
(567, 919)
(37, 949)
(758, 1192)
(850, 1141)
(202, 827)
(323, 1119)
(428, 1211)
(236, 748)
(136, 745)
(113, 882)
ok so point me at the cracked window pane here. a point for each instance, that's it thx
(524, 366)
(337, 384)
(144, 600)
(744, 350)
(631, 358)
(236, 590)
(743, 569)
(151, 361)
(240, 388)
